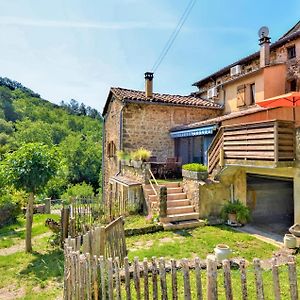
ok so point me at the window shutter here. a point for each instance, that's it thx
(248, 95)
(241, 95)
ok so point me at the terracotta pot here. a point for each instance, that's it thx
(222, 252)
(232, 218)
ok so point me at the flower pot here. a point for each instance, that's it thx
(137, 163)
(232, 218)
(290, 241)
(194, 175)
(222, 252)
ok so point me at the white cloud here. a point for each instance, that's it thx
(126, 25)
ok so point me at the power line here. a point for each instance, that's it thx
(174, 34)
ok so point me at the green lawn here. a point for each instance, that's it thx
(38, 275)
(197, 242)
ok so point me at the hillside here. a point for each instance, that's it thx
(76, 130)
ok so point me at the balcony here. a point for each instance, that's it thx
(259, 144)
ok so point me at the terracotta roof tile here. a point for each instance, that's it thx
(139, 96)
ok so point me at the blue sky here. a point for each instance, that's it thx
(78, 49)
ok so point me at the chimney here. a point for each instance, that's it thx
(149, 84)
(264, 42)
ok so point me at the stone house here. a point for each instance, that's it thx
(134, 119)
(252, 152)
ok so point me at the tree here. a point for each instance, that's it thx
(29, 169)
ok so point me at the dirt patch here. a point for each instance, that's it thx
(281, 256)
(11, 293)
(21, 245)
(170, 239)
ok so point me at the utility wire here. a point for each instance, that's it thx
(174, 34)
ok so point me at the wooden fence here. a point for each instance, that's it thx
(93, 277)
(107, 241)
(79, 216)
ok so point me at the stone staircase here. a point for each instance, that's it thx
(180, 212)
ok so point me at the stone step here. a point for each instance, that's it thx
(174, 190)
(183, 224)
(171, 184)
(182, 202)
(180, 217)
(152, 198)
(180, 210)
(176, 196)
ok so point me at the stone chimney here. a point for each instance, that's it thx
(149, 84)
(264, 42)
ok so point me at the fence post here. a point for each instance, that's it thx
(293, 278)
(243, 279)
(227, 279)
(162, 201)
(47, 205)
(198, 279)
(102, 241)
(276, 283)
(258, 280)
(65, 212)
(212, 292)
(186, 279)
(163, 279)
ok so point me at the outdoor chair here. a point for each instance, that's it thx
(170, 168)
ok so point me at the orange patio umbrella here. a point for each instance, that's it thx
(287, 100)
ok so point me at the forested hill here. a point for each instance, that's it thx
(76, 130)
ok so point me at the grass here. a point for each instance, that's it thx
(15, 233)
(137, 221)
(38, 275)
(198, 242)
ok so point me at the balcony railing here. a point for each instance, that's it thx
(266, 143)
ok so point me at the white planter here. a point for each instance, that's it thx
(290, 241)
(222, 252)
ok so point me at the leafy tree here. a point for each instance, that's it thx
(29, 169)
(82, 190)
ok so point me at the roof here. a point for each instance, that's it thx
(134, 96)
(218, 120)
(124, 180)
(292, 34)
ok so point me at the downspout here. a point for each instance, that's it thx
(120, 137)
(103, 160)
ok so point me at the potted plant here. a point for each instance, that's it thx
(236, 212)
(194, 171)
(124, 157)
(139, 156)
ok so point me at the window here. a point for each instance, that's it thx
(111, 149)
(252, 94)
(291, 52)
(240, 95)
(293, 85)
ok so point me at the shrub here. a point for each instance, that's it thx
(10, 208)
(195, 167)
(122, 155)
(236, 207)
(82, 190)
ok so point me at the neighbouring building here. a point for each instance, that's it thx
(252, 151)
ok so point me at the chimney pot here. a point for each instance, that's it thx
(149, 84)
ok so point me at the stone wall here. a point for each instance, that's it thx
(213, 195)
(191, 188)
(148, 126)
(138, 174)
(111, 134)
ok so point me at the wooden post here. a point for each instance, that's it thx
(95, 277)
(243, 279)
(154, 278)
(174, 279)
(221, 161)
(212, 291)
(103, 277)
(78, 281)
(227, 279)
(198, 279)
(146, 282)
(186, 279)
(65, 212)
(88, 276)
(163, 197)
(110, 280)
(48, 206)
(258, 280)
(163, 279)
(118, 279)
(102, 241)
(293, 278)
(127, 278)
(276, 283)
(136, 278)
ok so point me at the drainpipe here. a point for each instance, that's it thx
(103, 164)
(121, 136)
